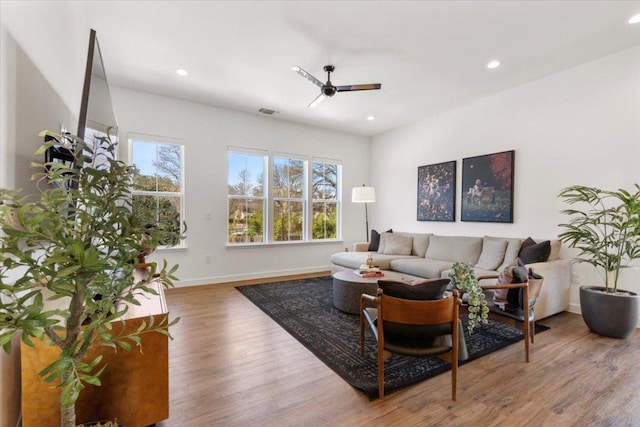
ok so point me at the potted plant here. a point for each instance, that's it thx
(462, 278)
(606, 231)
(76, 243)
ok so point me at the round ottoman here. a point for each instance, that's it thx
(348, 287)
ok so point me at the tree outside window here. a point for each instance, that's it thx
(325, 200)
(245, 197)
(303, 202)
(158, 190)
(288, 199)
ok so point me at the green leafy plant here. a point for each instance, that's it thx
(606, 231)
(78, 244)
(462, 277)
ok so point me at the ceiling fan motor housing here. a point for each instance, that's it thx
(329, 89)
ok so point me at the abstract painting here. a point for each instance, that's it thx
(487, 187)
(437, 192)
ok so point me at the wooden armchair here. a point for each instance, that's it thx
(424, 321)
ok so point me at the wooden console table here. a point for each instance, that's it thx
(135, 385)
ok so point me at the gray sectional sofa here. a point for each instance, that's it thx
(431, 256)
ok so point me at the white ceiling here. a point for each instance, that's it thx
(429, 56)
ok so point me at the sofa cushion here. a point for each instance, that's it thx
(477, 272)
(492, 255)
(454, 248)
(398, 244)
(353, 260)
(532, 252)
(420, 243)
(422, 267)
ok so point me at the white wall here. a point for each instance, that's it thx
(28, 104)
(206, 133)
(581, 126)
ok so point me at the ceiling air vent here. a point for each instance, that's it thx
(267, 111)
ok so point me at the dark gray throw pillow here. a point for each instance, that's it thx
(531, 252)
(514, 297)
(427, 289)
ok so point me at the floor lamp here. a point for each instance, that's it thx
(364, 195)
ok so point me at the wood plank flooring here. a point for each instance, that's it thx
(231, 365)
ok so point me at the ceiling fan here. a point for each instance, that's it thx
(327, 89)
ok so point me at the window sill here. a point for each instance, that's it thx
(282, 244)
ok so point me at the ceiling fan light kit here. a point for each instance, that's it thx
(327, 89)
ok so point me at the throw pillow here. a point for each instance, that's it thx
(374, 242)
(421, 289)
(534, 252)
(556, 245)
(506, 278)
(428, 289)
(492, 253)
(383, 240)
(397, 244)
(514, 298)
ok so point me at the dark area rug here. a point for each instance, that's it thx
(304, 308)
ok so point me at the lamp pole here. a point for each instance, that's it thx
(364, 195)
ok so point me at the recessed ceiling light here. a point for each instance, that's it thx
(182, 72)
(494, 64)
(370, 118)
(634, 19)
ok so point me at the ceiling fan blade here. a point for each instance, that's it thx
(349, 88)
(318, 100)
(307, 76)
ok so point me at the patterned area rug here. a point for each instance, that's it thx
(304, 308)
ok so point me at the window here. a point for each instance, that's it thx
(288, 199)
(158, 185)
(324, 183)
(275, 198)
(245, 200)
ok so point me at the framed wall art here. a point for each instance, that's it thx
(487, 187)
(437, 192)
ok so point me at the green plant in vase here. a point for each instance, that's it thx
(77, 244)
(462, 278)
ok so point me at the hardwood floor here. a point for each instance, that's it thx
(231, 365)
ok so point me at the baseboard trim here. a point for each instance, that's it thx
(324, 269)
(574, 308)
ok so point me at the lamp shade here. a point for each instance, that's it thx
(363, 194)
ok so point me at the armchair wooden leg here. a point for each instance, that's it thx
(381, 375)
(380, 363)
(533, 329)
(361, 333)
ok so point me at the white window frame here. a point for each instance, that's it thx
(265, 184)
(155, 139)
(269, 198)
(338, 199)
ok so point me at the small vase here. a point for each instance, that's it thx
(369, 261)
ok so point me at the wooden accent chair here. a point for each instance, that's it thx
(433, 327)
